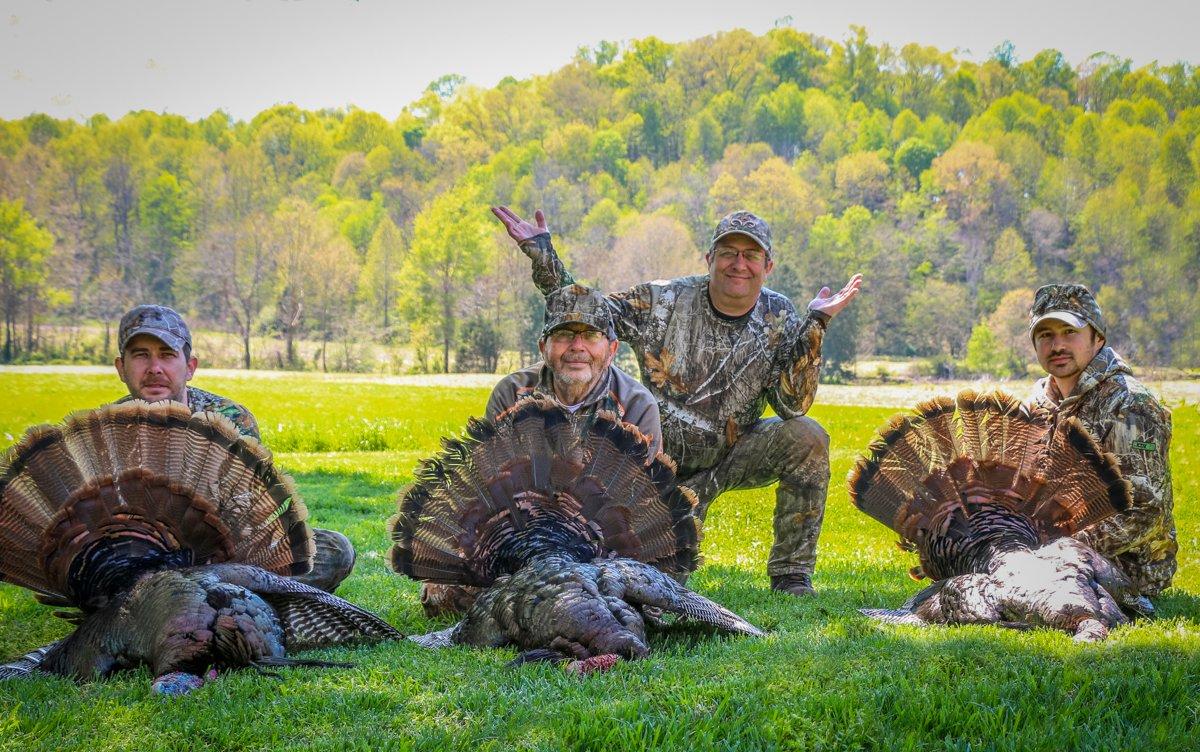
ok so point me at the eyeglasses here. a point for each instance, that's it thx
(566, 336)
(751, 256)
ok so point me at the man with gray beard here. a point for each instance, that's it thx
(578, 343)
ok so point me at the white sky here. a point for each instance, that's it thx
(74, 58)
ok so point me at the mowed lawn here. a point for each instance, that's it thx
(824, 678)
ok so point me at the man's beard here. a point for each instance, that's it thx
(567, 379)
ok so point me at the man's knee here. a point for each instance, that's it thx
(806, 446)
(804, 433)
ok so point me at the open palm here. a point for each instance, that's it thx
(519, 229)
(830, 303)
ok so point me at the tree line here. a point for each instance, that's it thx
(955, 186)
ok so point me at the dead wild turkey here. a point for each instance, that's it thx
(170, 536)
(573, 532)
(974, 486)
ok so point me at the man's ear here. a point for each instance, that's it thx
(119, 364)
(612, 348)
(192, 363)
(542, 347)
(769, 266)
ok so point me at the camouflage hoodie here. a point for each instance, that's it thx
(712, 375)
(1129, 422)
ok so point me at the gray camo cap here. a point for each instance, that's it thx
(742, 222)
(576, 304)
(158, 321)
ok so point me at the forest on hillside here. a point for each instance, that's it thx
(955, 186)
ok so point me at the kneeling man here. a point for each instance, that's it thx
(156, 362)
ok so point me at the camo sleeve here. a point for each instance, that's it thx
(549, 274)
(799, 368)
(1139, 435)
(630, 309)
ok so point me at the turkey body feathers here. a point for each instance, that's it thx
(584, 609)
(986, 495)
(168, 531)
(223, 616)
(532, 484)
(151, 473)
(571, 527)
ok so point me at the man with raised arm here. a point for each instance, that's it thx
(1086, 379)
(714, 351)
(155, 364)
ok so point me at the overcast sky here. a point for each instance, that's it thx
(74, 58)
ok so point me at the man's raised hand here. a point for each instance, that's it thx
(831, 304)
(518, 229)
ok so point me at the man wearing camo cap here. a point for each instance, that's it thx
(156, 362)
(714, 351)
(1088, 380)
(578, 343)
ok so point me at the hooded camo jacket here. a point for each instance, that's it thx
(712, 375)
(1131, 424)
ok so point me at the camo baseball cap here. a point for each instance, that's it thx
(156, 320)
(576, 304)
(743, 223)
(1071, 304)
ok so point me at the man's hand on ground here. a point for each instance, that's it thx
(518, 229)
(831, 304)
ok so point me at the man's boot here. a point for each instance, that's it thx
(799, 584)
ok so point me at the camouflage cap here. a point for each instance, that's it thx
(743, 223)
(576, 304)
(156, 320)
(1071, 304)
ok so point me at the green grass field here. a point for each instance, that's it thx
(825, 677)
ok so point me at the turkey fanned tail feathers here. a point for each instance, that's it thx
(169, 533)
(987, 496)
(571, 528)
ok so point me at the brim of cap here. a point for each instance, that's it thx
(170, 340)
(1064, 316)
(741, 232)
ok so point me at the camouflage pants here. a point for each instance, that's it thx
(794, 452)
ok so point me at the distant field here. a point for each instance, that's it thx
(825, 678)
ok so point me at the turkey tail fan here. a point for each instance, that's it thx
(1083, 485)
(909, 447)
(997, 427)
(1002, 480)
(537, 481)
(88, 504)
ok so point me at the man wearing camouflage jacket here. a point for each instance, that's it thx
(714, 350)
(1088, 380)
(155, 364)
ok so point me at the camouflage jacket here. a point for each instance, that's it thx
(200, 401)
(618, 393)
(712, 375)
(1131, 424)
